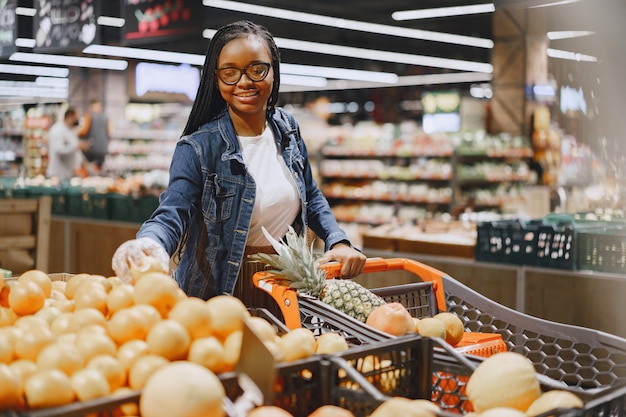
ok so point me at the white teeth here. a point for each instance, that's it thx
(246, 94)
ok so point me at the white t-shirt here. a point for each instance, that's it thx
(277, 200)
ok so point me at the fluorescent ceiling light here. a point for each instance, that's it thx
(52, 82)
(342, 73)
(70, 61)
(25, 11)
(574, 56)
(443, 12)
(25, 42)
(300, 80)
(375, 55)
(32, 70)
(145, 54)
(568, 34)
(350, 24)
(409, 80)
(30, 89)
(554, 3)
(116, 22)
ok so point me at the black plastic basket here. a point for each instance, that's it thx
(602, 249)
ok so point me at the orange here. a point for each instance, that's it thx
(26, 298)
(169, 339)
(227, 315)
(91, 295)
(148, 312)
(129, 409)
(111, 368)
(89, 384)
(93, 344)
(38, 277)
(127, 324)
(330, 342)
(120, 296)
(157, 289)
(431, 327)
(143, 368)
(194, 315)
(23, 368)
(31, 343)
(7, 317)
(6, 350)
(65, 305)
(268, 411)
(61, 324)
(73, 283)
(128, 353)
(84, 317)
(49, 313)
(392, 318)
(60, 356)
(11, 397)
(48, 388)
(331, 411)
(4, 293)
(208, 352)
(31, 323)
(262, 328)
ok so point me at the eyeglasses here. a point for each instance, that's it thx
(255, 72)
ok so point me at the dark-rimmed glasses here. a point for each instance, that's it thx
(255, 72)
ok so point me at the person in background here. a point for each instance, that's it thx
(240, 165)
(95, 133)
(64, 147)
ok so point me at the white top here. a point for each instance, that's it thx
(277, 200)
(64, 157)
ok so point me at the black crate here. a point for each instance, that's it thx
(507, 241)
(602, 249)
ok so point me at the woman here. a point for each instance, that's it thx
(240, 164)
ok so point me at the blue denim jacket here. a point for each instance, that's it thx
(211, 196)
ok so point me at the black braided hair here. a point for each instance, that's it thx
(209, 102)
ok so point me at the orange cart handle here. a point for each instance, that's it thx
(287, 298)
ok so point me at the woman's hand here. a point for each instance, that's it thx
(138, 256)
(352, 261)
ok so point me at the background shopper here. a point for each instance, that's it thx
(96, 133)
(64, 147)
(241, 164)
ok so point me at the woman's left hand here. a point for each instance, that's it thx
(352, 261)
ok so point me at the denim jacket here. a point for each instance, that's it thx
(211, 195)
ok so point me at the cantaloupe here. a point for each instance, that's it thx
(182, 389)
(506, 379)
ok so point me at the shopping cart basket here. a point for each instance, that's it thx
(577, 356)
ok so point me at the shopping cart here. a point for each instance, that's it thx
(586, 360)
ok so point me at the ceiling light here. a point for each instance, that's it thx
(303, 81)
(116, 22)
(70, 61)
(350, 24)
(25, 11)
(568, 34)
(342, 73)
(32, 70)
(376, 55)
(52, 82)
(145, 54)
(31, 89)
(443, 12)
(25, 43)
(554, 3)
(574, 56)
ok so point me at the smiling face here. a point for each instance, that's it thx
(246, 99)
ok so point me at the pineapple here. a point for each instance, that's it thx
(295, 266)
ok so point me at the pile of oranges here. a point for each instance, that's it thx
(94, 336)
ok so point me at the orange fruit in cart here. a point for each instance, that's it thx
(392, 318)
(297, 344)
(61, 356)
(454, 327)
(141, 370)
(330, 342)
(400, 406)
(128, 353)
(31, 343)
(127, 324)
(502, 412)
(182, 389)
(120, 296)
(111, 368)
(208, 352)
(554, 399)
